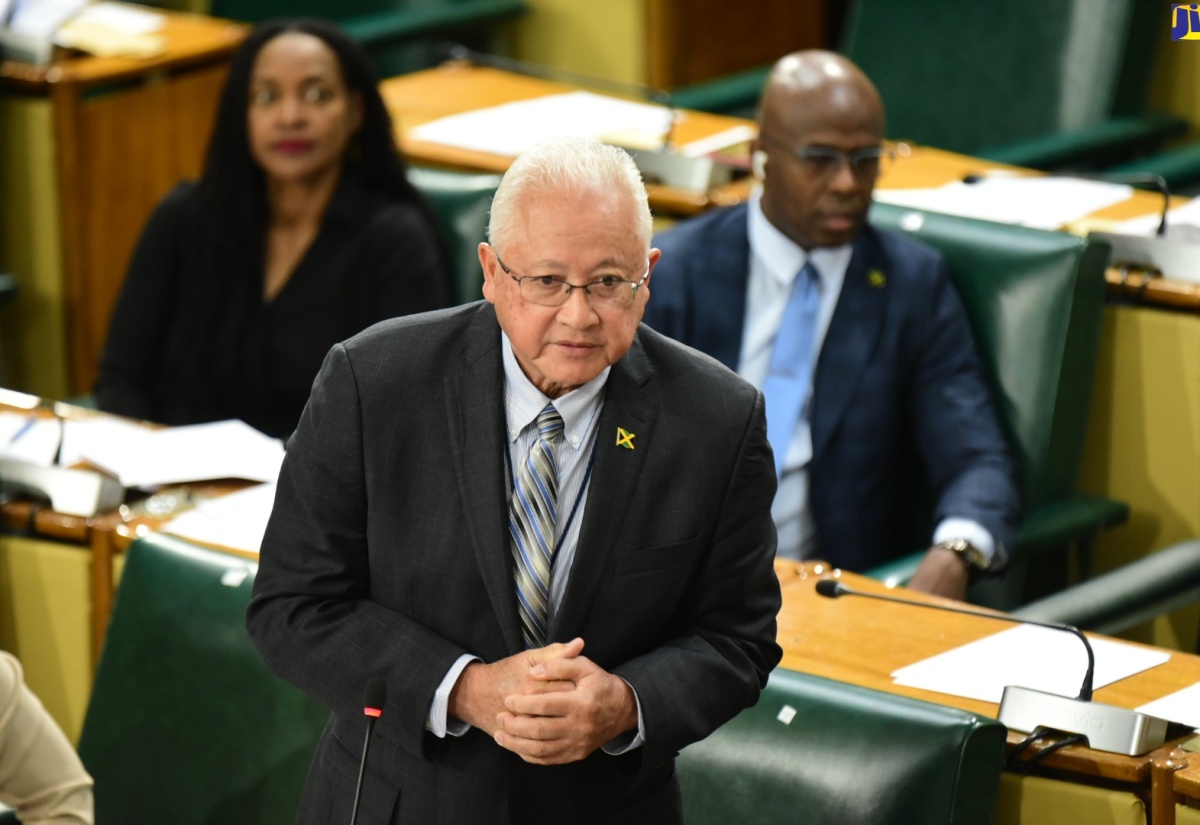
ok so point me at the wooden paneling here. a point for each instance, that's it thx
(690, 41)
(121, 173)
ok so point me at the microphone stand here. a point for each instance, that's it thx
(1107, 728)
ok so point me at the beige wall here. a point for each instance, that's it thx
(600, 39)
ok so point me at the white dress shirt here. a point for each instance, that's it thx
(580, 411)
(775, 262)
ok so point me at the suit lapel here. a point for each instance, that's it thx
(721, 295)
(475, 412)
(851, 339)
(631, 406)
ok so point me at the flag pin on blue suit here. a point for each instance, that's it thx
(876, 279)
(625, 438)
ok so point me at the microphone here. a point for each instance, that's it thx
(1132, 178)
(1106, 728)
(832, 589)
(373, 699)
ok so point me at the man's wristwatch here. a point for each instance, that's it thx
(971, 555)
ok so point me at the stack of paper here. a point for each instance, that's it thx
(236, 521)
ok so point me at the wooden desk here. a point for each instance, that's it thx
(121, 133)
(861, 641)
(927, 167)
(455, 88)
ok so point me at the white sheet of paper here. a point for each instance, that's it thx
(1039, 202)
(1034, 657)
(36, 438)
(223, 449)
(511, 128)
(122, 17)
(1182, 706)
(1183, 223)
(237, 520)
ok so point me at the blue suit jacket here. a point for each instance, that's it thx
(898, 386)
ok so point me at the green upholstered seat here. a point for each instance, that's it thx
(817, 751)
(461, 201)
(1165, 580)
(185, 724)
(1179, 167)
(1040, 83)
(384, 25)
(1035, 300)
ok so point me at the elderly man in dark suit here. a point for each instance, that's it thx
(855, 335)
(545, 528)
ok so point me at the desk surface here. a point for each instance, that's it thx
(454, 88)
(189, 38)
(862, 641)
(927, 167)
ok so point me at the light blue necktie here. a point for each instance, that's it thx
(532, 515)
(788, 381)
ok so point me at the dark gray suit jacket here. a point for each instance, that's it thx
(387, 556)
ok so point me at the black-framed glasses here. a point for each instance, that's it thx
(555, 290)
(822, 162)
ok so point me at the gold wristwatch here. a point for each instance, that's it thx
(971, 555)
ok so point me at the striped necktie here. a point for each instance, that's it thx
(532, 515)
(790, 376)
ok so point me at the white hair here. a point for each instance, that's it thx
(581, 166)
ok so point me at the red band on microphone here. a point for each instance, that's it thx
(376, 712)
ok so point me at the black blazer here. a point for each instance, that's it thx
(387, 556)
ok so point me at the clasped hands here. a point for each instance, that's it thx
(550, 705)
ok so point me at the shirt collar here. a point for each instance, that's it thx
(523, 401)
(782, 257)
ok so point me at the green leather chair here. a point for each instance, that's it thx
(1034, 83)
(461, 201)
(1035, 300)
(1166, 580)
(401, 35)
(817, 751)
(185, 724)
(1179, 167)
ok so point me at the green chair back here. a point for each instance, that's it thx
(815, 750)
(401, 35)
(1008, 79)
(1035, 300)
(461, 201)
(185, 724)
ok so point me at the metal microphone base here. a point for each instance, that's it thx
(1107, 728)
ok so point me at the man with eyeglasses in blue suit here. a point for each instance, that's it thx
(855, 335)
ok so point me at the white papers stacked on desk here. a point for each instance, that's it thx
(511, 128)
(237, 521)
(1053, 661)
(141, 457)
(1038, 202)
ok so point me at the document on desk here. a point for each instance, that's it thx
(1183, 223)
(237, 521)
(1182, 706)
(1034, 657)
(141, 457)
(1038, 202)
(511, 128)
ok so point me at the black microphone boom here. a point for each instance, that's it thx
(1106, 728)
(373, 698)
(830, 588)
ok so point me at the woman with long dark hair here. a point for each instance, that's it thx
(302, 231)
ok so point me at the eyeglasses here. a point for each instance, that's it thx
(554, 290)
(824, 161)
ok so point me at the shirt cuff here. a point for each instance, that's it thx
(438, 722)
(974, 532)
(630, 740)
